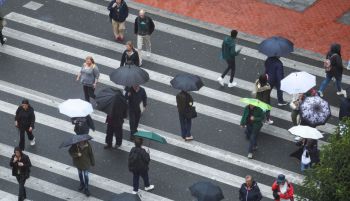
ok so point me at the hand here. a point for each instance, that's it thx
(94, 85)
(15, 159)
(252, 118)
(114, 5)
(79, 154)
(30, 129)
(243, 126)
(16, 124)
(129, 93)
(20, 164)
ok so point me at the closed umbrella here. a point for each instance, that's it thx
(151, 136)
(298, 82)
(75, 108)
(75, 139)
(276, 46)
(256, 103)
(126, 197)
(306, 132)
(206, 191)
(110, 101)
(129, 75)
(187, 82)
(314, 111)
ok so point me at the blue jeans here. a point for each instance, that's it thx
(304, 167)
(84, 178)
(279, 91)
(327, 80)
(185, 126)
(136, 178)
(252, 134)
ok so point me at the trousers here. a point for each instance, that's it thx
(231, 65)
(22, 137)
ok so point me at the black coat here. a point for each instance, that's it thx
(135, 98)
(149, 23)
(253, 194)
(130, 60)
(138, 160)
(118, 14)
(25, 118)
(344, 110)
(83, 124)
(337, 65)
(183, 100)
(21, 171)
(311, 146)
(274, 70)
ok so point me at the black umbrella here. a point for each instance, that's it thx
(276, 46)
(110, 100)
(129, 75)
(206, 191)
(314, 111)
(126, 197)
(187, 82)
(75, 139)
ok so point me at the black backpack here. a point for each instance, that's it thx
(136, 161)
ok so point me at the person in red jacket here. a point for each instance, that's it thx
(282, 189)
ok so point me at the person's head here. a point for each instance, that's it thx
(136, 87)
(251, 106)
(234, 33)
(138, 142)
(25, 104)
(142, 13)
(249, 180)
(89, 60)
(281, 179)
(335, 49)
(263, 80)
(18, 152)
(129, 45)
(118, 1)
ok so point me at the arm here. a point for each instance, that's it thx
(91, 154)
(122, 61)
(244, 117)
(32, 119)
(279, 71)
(90, 122)
(79, 74)
(26, 162)
(241, 194)
(96, 75)
(16, 116)
(151, 26)
(136, 58)
(190, 100)
(258, 115)
(73, 151)
(12, 162)
(259, 193)
(136, 27)
(111, 5)
(144, 98)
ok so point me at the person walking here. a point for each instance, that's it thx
(334, 68)
(282, 189)
(344, 109)
(83, 159)
(275, 73)
(118, 12)
(130, 56)
(88, 77)
(252, 119)
(184, 101)
(262, 92)
(143, 28)
(82, 125)
(24, 121)
(20, 164)
(115, 127)
(2, 25)
(138, 164)
(229, 53)
(249, 190)
(137, 101)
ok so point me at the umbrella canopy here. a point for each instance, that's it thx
(306, 132)
(276, 46)
(257, 103)
(129, 76)
(75, 108)
(206, 191)
(314, 111)
(110, 101)
(126, 197)
(75, 139)
(187, 82)
(151, 136)
(298, 82)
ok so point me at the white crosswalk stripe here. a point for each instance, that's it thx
(5, 196)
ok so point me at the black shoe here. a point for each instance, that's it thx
(81, 187)
(107, 146)
(87, 192)
(132, 137)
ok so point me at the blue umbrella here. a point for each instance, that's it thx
(187, 82)
(75, 139)
(206, 191)
(276, 46)
(129, 75)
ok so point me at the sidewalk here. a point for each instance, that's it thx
(313, 29)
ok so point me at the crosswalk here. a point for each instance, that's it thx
(52, 50)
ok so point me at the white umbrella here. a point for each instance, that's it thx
(298, 82)
(306, 132)
(75, 108)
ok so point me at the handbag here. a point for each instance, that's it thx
(191, 113)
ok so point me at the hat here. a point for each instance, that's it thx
(25, 101)
(281, 178)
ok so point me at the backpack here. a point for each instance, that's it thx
(136, 163)
(327, 63)
(80, 124)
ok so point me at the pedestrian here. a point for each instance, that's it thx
(344, 109)
(262, 92)
(143, 28)
(184, 101)
(275, 73)
(20, 164)
(295, 105)
(130, 56)
(115, 127)
(138, 164)
(307, 153)
(229, 53)
(2, 25)
(82, 125)
(252, 119)
(282, 189)
(88, 77)
(249, 190)
(24, 121)
(137, 101)
(334, 69)
(118, 12)
(83, 159)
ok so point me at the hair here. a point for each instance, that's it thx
(263, 80)
(25, 101)
(142, 11)
(129, 43)
(249, 176)
(91, 59)
(138, 142)
(234, 33)
(18, 149)
(334, 49)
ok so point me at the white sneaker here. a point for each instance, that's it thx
(221, 81)
(32, 142)
(250, 155)
(320, 94)
(5, 39)
(269, 121)
(342, 92)
(134, 192)
(232, 84)
(148, 54)
(149, 188)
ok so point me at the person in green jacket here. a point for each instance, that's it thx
(252, 120)
(229, 53)
(83, 159)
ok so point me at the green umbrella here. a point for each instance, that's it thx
(151, 136)
(257, 103)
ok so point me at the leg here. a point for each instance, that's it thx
(86, 179)
(140, 40)
(1, 37)
(115, 28)
(338, 84)
(121, 29)
(294, 115)
(109, 135)
(324, 83)
(225, 72)
(30, 134)
(21, 189)
(147, 42)
(252, 139)
(279, 92)
(81, 179)
(138, 117)
(91, 92)
(132, 122)
(188, 127)
(86, 93)
(145, 179)
(248, 131)
(182, 124)
(232, 65)
(118, 131)
(21, 139)
(135, 182)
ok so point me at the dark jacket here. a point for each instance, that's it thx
(143, 26)
(228, 48)
(135, 98)
(116, 121)
(344, 110)
(130, 60)
(336, 61)
(138, 160)
(311, 146)
(262, 92)
(258, 115)
(274, 70)
(83, 124)
(86, 160)
(120, 13)
(25, 118)
(24, 170)
(184, 101)
(253, 194)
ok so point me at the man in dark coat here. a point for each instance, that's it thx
(249, 190)
(344, 109)
(118, 12)
(20, 164)
(184, 101)
(83, 125)
(24, 121)
(275, 73)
